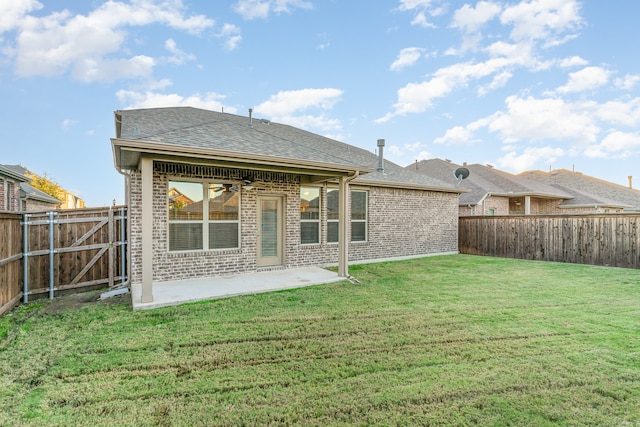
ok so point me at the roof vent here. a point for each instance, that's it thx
(251, 117)
(380, 155)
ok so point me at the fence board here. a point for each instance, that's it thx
(88, 247)
(603, 239)
(10, 260)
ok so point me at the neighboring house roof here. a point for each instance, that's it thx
(484, 181)
(233, 140)
(28, 192)
(10, 172)
(588, 190)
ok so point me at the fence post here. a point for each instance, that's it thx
(51, 255)
(110, 225)
(25, 259)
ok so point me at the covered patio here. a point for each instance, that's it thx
(191, 290)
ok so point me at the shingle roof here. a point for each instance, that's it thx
(484, 180)
(32, 193)
(210, 130)
(11, 172)
(588, 190)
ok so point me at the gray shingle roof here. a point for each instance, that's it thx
(30, 192)
(588, 190)
(484, 180)
(210, 130)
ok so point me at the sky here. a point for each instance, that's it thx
(520, 85)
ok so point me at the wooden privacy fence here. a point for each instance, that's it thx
(46, 254)
(603, 239)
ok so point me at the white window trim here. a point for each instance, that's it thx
(205, 215)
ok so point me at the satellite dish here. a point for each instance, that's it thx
(460, 174)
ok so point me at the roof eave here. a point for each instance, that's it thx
(409, 186)
(167, 151)
(11, 174)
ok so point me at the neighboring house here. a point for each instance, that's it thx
(596, 194)
(212, 193)
(33, 199)
(18, 196)
(495, 192)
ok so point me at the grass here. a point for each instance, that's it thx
(452, 340)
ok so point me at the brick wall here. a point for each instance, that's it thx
(9, 202)
(400, 223)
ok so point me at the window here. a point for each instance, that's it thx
(203, 215)
(333, 196)
(358, 215)
(309, 215)
(9, 195)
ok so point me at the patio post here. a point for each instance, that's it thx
(146, 166)
(343, 231)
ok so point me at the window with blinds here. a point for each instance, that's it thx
(203, 215)
(309, 215)
(358, 215)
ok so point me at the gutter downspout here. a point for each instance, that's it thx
(127, 202)
(343, 229)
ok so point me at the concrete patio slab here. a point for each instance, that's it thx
(191, 290)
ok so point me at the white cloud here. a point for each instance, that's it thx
(289, 107)
(14, 11)
(499, 80)
(62, 42)
(574, 61)
(457, 135)
(414, 147)
(67, 124)
(627, 82)
(210, 101)
(529, 158)
(586, 79)
(619, 113)
(470, 19)
(617, 144)
(406, 58)
(421, 8)
(544, 119)
(231, 34)
(546, 20)
(260, 9)
(424, 155)
(179, 57)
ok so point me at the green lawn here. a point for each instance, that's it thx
(451, 340)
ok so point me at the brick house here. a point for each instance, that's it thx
(213, 193)
(17, 195)
(495, 192)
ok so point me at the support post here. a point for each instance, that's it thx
(146, 166)
(343, 230)
(527, 205)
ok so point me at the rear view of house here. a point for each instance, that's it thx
(213, 193)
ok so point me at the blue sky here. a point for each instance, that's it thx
(521, 85)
